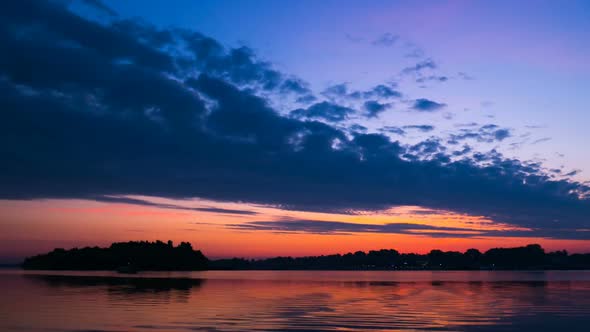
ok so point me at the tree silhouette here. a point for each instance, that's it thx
(160, 256)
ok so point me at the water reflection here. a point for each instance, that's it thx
(156, 290)
(229, 303)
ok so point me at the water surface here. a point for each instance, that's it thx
(295, 301)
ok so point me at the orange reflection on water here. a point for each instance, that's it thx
(283, 301)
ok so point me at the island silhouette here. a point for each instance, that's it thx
(129, 257)
(125, 257)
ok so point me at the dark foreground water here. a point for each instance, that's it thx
(295, 301)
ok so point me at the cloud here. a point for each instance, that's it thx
(90, 109)
(324, 227)
(572, 173)
(386, 39)
(373, 108)
(541, 140)
(485, 134)
(468, 124)
(422, 128)
(338, 90)
(393, 130)
(341, 91)
(427, 64)
(426, 105)
(357, 127)
(501, 134)
(382, 91)
(466, 149)
(338, 227)
(137, 201)
(432, 78)
(428, 147)
(99, 5)
(324, 110)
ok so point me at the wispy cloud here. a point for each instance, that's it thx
(387, 39)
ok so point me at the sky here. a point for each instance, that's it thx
(264, 128)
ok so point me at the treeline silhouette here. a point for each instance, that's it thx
(530, 257)
(158, 256)
(142, 255)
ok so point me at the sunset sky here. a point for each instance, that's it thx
(265, 128)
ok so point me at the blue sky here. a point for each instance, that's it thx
(528, 59)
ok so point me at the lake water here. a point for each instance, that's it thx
(295, 301)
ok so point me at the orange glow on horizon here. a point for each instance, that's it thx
(32, 227)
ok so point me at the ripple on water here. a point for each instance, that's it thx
(275, 301)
